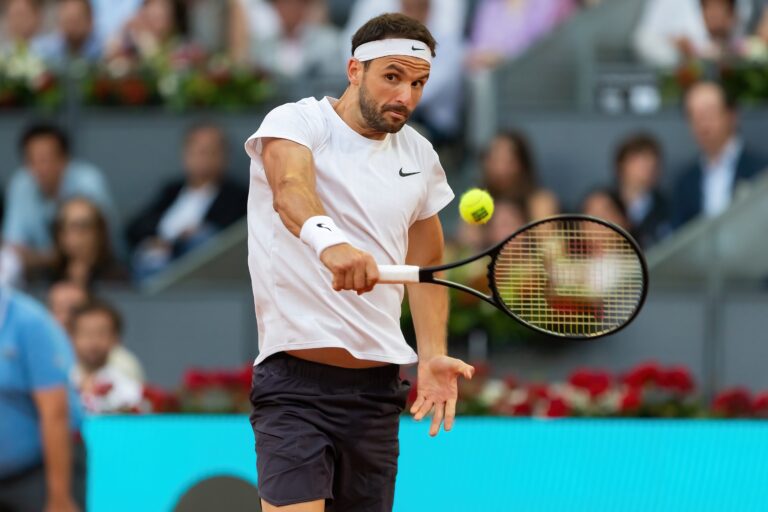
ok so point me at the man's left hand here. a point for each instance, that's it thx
(437, 387)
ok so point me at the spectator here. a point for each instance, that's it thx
(83, 252)
(64, 299)
(22, 25)
(188, 211)
(49, 175)
(75, 39)
(670, 32)
(294, 44)
(707, 185)
(508, 217)
(104, 388)
(509, 173)
(504, 29)
(42, 457)
(606, 204)
(110, 16)
(159, 27)
(638, 167)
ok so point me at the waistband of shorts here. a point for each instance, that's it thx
(336, 375)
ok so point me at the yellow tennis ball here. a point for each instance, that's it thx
(476, 206)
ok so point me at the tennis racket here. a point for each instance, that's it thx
(572, 276)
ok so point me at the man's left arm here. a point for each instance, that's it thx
(438, 373)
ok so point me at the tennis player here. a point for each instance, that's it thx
(337, 187)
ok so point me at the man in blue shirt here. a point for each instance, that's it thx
(41, 454)
(48, 177)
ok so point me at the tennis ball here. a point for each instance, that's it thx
(476, 206)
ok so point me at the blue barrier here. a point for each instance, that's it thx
(486, 464)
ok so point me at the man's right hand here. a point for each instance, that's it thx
(352, 268)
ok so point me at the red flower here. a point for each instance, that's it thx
(734, 402)
(676, 379)
(523, 409)
(760, 405)
(510, 382)
(557, 408)
(596, 383)
(642, 375)
(196, 379)
(133, 91)
(631, 400)
(538, 392)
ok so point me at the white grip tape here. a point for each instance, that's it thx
(398, 274)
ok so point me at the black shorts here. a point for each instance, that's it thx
(324, 432)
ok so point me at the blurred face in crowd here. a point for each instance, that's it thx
(63, 299)
(600, 204)
(507, 218)
(416, 9)
(46, 161)
(640, 171)
(22, 18)
(502, 167)
(158, 18)
(94, 336)
(78, 235)
(205, 156)
(389, 90)
(719, 18)
(75, 22)
(293, 13)
(712, 122)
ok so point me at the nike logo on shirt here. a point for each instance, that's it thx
(406, 174)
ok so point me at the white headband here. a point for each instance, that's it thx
(388, 47)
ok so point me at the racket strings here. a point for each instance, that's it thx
(570, 277)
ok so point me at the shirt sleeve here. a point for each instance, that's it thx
(290, 121)
(439, 193)
(47, 354)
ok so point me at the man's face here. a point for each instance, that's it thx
(390, 90)
(719, 18)
(74, 21)
(22, 19)
(712, 123)
(46, 161)
(94, 337)
(63, 299)
(640, 170)
(204, 155)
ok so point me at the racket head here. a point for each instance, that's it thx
(569, 276)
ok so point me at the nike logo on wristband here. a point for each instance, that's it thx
(406, 174)
(323, 226)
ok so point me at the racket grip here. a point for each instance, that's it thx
(398, 274)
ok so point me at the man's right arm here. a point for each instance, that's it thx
(290, 171)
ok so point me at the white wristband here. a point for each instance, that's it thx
(320, 232)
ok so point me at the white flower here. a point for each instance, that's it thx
(169, 85)
(492, 392)
(576, 398)
(755, 49)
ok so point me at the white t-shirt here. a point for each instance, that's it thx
(374, 190)
(187, 211)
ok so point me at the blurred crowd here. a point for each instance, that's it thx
(63, 234)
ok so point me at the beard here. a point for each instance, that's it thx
(375, 117)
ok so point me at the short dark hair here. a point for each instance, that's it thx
(728, 94)
(43, 129)
(96, 305)
(393, 26)
(201, 125)
(611, 193)
(635, 144)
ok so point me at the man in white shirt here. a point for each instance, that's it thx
(337, 187)
(671, 30)
(707, 186)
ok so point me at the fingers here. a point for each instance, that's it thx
(450, 414)
(437, 419)
(371, 273)
(351, 268)
(426, 406)
(417, 404)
